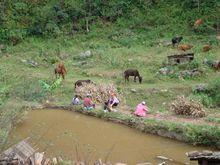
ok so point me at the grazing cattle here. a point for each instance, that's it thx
(184, 47)
(60, 70)
(206, 48)
(176, 40)
(216, 66)
(79, 83)
(198, 23)
(132, 72)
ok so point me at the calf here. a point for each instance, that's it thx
(79, 83)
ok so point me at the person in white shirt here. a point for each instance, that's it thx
(75, 100)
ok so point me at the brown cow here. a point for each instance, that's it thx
(184, 47)
(198, 23)
(206, 48)
(60, 70)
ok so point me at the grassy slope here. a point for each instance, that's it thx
(110, 58)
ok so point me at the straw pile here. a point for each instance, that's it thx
(183, 106)
(100, 93)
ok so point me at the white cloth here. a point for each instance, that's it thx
(75, 101)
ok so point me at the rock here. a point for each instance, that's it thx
(164, 90)
(207, 153)
(120, 164)
(163, 163)
(86, 54)
(47, 162)
(60, 160)
(164, 71)
(38, 157)
(133, 90)
(146, 163)
(163, 158)
(32, 63)
(98, 162)
(130, 60)
(54, 160)
(63, 56)
(193, 154)
(200, 88)
(83, 63)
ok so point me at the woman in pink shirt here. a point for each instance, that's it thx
(141, 109)
(87, 102)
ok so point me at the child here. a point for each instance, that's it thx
(75, 100)
(87, 102)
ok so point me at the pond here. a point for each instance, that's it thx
(72, 135)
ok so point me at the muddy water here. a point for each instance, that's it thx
(72, 135)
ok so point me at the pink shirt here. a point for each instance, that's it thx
(87, 102)
(141, 110)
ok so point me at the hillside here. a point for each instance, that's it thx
(123, 34)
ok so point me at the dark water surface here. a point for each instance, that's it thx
(72, 135)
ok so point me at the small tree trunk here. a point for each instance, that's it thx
(87, 24)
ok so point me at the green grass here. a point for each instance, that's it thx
(110, 58)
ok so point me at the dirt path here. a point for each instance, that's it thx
(174, 118)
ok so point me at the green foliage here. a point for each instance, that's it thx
(52, 18)
(211, 95)
(213, 91)
(202, 98)
(50, 88)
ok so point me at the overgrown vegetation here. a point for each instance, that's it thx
(19, 19)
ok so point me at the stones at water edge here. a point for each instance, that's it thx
(120, 164)
(193, 154)
(163, 163)
(207, 153)
(163, 158)
(54, 160)
(38, 158)
(47, 162)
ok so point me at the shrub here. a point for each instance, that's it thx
(183, 106)
(213, 91)
(203, 98)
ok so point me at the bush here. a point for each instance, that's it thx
(183, 106)
(202, 98)
(213, 91)
(211, 95)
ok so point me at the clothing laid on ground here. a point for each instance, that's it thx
(141, 110)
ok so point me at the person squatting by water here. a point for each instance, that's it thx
(75, 100)
(111, 103)
(141, 109)
(88, 103)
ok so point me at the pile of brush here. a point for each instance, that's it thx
(100, 92)
(183, 106)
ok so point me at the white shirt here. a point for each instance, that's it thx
(75, 101)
